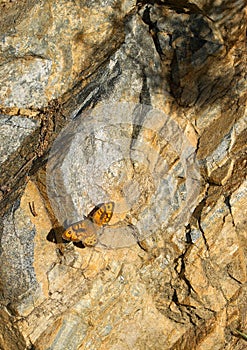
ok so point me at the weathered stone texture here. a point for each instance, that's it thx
(43, 55)
(152, 101)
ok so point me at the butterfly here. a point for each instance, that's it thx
(85, 231)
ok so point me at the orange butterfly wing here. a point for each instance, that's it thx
(102, 213)
(85, 231)
(82, 231)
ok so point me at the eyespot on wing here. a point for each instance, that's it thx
(102, 213)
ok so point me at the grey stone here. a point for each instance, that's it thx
(13, 131)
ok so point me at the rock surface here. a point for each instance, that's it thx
(151, 100)
(37, 66)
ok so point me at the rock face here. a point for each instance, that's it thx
(122, 152)
(46, 51)
(143, 105)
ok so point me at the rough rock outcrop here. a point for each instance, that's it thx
(143, 104)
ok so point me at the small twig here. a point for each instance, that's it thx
(32, 208)
(243, 335)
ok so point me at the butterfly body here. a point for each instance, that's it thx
(85, 231)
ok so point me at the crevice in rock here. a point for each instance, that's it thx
(197, 215)
(181, 273)
(234, 278)
(228, 204)
(188, 237)
(153, 29)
